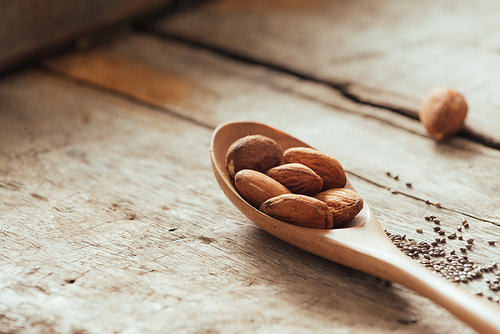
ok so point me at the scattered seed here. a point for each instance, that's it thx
(491, 242)
(452, 236)
(466, 225)
(468, 246)
(419, 230)
(470, 241)
(463, 250)
(436, 221)
(479, 293)
(459, 229)
(392, 191)
(460, 237)
(427, 201)
(388, 173)
(437, 205)
(396, 177)
(464, 221)
(441, 232)
(436, 228)
(452, 252)
(408, 184)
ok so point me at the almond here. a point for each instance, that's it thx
(344, 204)
(299, 210)
(326, 166)
(256, 187)
(255, 152)
(298, 178)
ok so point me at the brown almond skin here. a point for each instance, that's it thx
(256, 187)
(298, 178)
(443, 112)
(326, 166)
(299, 210)
(344, 204)
(255, 152)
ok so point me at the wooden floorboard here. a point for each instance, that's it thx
(390, 53)
(111, 219)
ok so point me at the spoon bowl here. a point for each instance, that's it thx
(361, 244)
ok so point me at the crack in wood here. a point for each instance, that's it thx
(366, 179)
(341, 87)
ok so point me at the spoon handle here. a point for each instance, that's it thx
(480, 314)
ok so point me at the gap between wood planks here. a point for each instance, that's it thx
(97, 87)
(341, 87)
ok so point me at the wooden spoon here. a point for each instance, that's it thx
(361, 244)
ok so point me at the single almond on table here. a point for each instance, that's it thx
(256, 187)
(255, 152)
(326, 166)
(298, 178)
(299, 210)
(344, 204)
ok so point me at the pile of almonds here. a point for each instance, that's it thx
(300, 185)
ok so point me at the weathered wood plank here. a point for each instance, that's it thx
(389, 53)
(104, 197)
(205, 87)
(220, 89)
(28, 27)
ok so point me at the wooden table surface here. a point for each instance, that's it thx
(111, 220)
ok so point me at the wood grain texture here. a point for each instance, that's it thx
(388, 53)
(106, 190)
(102, 197)
(29, 27)
(221, 90)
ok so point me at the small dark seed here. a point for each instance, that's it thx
(441, 232)
(491, 242)
(470, 241)
(408, 184)
(466, 225)
(459, 229)
(419, 230)
(436, 221)
(396, 177)
(436, 228)
(464, 221)
(463, 250)
(437, 205)
(469, 246)
(388, 173)
(460, 237)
